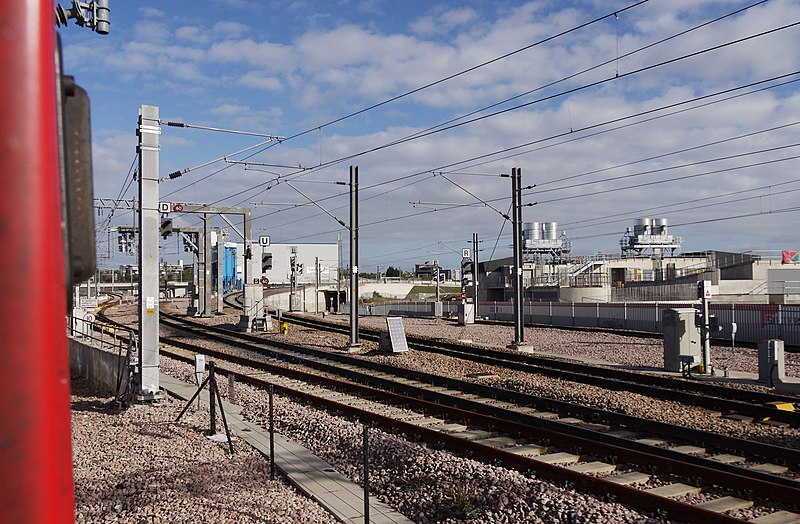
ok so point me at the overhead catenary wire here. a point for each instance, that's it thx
(589, 69)
(593, 126)
(602, 124)
(542, 41)
(221, 130)
(632, 213)
(582, 87)
(513, 151)
(547, 98)
(709, 220)
(663, 169)
(582, 195)
(674, 179)
(465, 71)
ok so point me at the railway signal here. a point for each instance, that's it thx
(166, 227)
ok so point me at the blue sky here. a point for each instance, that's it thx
(295, 68)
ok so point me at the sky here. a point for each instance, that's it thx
(613, 110)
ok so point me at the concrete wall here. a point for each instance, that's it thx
(585, 294)
(388, 290)
(99, 367)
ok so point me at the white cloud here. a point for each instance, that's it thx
(265, 55)
(152, 32)
(258, 81)
(151, 12)
(443, 21)
(231, 30)
(192, 34)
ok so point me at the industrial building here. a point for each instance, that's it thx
(646, 269)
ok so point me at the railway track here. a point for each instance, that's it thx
(744, 404)
(477, 421)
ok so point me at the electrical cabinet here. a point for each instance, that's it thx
(681, 337)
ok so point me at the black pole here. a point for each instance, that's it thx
(214, 393)
(196, 394)
(366, 475)
(475, 274)
(516, 178)
(354, 342)
(271, 436)
(212, 380)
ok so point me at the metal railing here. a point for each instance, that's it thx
(122, 341)
(103, 335)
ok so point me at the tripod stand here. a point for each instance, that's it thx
(214, 397)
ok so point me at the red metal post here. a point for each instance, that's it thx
(35, 451)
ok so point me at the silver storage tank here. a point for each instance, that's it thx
(550, 230)
(660, 226)
(532, 231)
(641, 226)
(681, 337)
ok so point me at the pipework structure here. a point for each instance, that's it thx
(541, 240)
(649, 235)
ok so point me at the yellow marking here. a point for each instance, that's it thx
(783, 406)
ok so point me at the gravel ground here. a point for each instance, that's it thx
(426, 485)
(138, 466)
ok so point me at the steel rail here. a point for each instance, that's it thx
(698, 393)
(664, 507)
(606, 490)
(790, 456)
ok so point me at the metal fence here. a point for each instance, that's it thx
(117, 339)
(754, 322)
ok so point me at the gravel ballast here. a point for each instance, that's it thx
(426, 485)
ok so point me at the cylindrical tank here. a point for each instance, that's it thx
(532, 231)
(660, 226)
(641, 226)
(549, 230)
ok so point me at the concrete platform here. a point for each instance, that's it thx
(311, 475)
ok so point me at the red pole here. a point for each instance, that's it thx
(35, 451)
